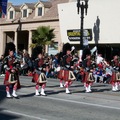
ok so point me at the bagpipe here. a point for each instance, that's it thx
(15, 63)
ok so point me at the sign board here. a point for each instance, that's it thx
(74, 34)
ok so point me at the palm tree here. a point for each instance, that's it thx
(43, 36)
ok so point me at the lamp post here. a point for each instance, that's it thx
(82, 6)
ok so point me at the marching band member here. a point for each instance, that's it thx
(11, 65)
(39, 76)
(66, 73)
(88, 73)
(115, 81)
(60, 69)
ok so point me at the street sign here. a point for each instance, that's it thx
(74, 34)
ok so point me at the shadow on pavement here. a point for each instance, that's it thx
(53, 86)
(105, 85)
(28, 95)
(3, 114)
(23, 86)
(7, 116)
(52, 92)
(76, 86)
(2, 93)
(101, 90)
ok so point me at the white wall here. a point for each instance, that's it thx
(108, 12)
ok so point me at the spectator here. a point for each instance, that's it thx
(2, 71)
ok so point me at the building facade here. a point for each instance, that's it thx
(102, 18)
(22, 20)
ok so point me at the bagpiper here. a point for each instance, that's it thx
(66, 73)
(115, 79)
(39, 76)
(11, 65)
(88, 78)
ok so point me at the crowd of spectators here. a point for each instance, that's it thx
(27, 64)
(52, 64)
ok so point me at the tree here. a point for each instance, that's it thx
(44, 35)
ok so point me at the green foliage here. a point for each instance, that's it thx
(44, 35)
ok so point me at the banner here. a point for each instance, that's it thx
(3, 8)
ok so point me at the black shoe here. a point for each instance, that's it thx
(43, 94)
(69, 93)
(16, 97)
(9, 97)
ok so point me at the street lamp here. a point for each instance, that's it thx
(82, 6)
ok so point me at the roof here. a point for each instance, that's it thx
(17, 8)
(47, 4)
(9, 4)
(52, 13)
(30, 5)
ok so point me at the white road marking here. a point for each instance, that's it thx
(77, 102)
(83, 103)
(25, 115)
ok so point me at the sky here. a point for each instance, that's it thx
(19, 2)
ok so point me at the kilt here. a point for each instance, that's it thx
(114, 78)
(66, 75)
(85, 77)
(60, 74)
(16, 77)
(88, 77)
(36, 78)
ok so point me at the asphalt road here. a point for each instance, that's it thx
(101, 104)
